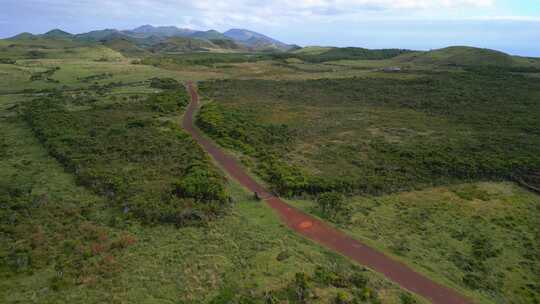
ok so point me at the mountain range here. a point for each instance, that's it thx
(148, 35)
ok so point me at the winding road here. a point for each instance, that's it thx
(319, 231)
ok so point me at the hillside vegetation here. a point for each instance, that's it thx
(149, 168)
(385, 144)
(469, 57)
(395, 134)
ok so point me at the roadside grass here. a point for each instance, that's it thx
(480, 238)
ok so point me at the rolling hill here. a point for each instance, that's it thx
(167, 31)
(257, 41)
(211, 34)
(57, 34)
(461, 56)
(125, 47)
(183, 45)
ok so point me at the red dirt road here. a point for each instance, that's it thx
(321, 232)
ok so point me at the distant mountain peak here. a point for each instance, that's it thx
(256, 40)
(150, 35)
(23, 36)
(167, 31)
(144, 28)
(57, 33)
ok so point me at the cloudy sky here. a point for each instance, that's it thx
(509, 25)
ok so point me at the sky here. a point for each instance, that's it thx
(512, 26)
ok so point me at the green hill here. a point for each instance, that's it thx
(312, 50)
(461, 56)
(211, 34)
(183, 45)
(125, 47)
(57, 34)
(325, 54)
(226, 44)
(23, 36)
(95, 36)
(180, 45)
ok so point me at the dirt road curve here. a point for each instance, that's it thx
(321, 232)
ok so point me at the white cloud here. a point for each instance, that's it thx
(225, 13)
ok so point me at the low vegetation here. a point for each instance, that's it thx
(481, 238)
(374, 136)
(147, 166)
(348, 53)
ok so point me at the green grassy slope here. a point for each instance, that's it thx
(466, 56)
(55, 48)
(125, 47)
(312, 50)
(481, 238)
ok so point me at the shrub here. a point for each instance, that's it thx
(202, 185)
(331, 204)
(124, 241)
(302, 287)
(19, 258)
(168, 102)
(343, 298)
(164, 83)
(407, 298)
(7, 61)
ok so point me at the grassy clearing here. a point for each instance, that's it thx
(79, 73)
(481, 238)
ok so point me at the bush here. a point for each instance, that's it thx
(407, 298)
(202, 185)
(331, 204)
(302, 287)
(164, 83)
(343, 298)
(167, 102)
(7, 61)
